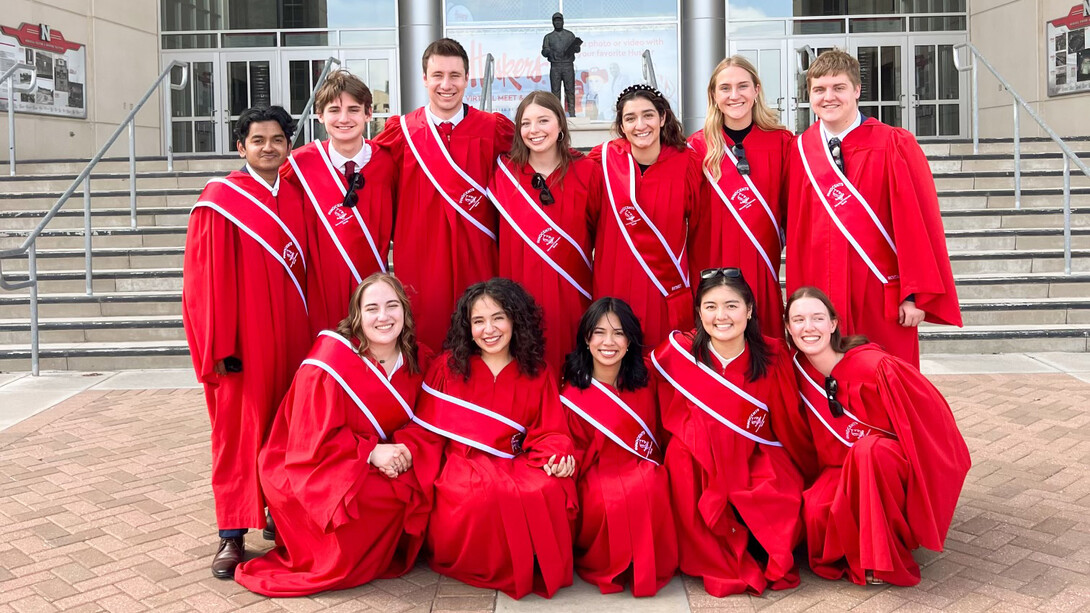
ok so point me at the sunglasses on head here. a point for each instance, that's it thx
(733, 273)
(831, 387)
(355, 182)
(742, 165)
(542, 186)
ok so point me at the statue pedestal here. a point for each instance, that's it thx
(586, 133)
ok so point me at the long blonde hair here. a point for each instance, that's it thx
(764, 117)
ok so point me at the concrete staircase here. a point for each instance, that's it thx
(1008, 263)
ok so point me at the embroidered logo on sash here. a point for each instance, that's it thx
(855, 431)
(516, 443)
(743, 198)
(291, 256)
(631, 217)
(644, 445)
(342, 217)
(470, 199)
(548, 240)
(837, 195)
(757, 420)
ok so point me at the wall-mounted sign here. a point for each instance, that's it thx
(61, 66)
(1068, 53)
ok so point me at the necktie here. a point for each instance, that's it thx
(445, 130)
(834, 148)
(349, 169)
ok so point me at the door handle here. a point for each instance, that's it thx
(779, 104)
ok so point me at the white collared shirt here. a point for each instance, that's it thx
(274, 188)
(459, 115)
(724, 361)
(825, 135)
(361, 158)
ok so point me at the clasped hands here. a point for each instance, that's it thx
(564, 468)
(391, 459)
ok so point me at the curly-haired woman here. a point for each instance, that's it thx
(492, 432)
(652, 184)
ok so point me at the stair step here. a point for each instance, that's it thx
(143, 303)
(98, 356)
(94, 329)
(1004, 338)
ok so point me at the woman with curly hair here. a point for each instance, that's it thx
(491, 431)
(736, 491)
(738, 220)
(652, 183)
(335, 481)
(548, 196)
(625, 530)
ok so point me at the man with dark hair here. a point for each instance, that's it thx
(444, 153)
(863, 220)
(245, 315)
(560, 47)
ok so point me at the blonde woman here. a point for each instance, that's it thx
(739, 219)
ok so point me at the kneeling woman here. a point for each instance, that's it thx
(329, 474)
(890, 461)
(736, 493)
(625, 531)
(494, 432)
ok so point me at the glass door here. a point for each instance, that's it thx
(250, 79)
(939, 91)
(769, 57)
(301, 72)
(803, 52)
(883, 80)
(194, 109)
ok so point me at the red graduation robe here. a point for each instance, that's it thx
(668, 192)
(716, 240)
(625, 530)
(438, 253)
(330, 283)
(498, 523)
(726, 487)
(238, 301)
(576, 210)
(874, 502)
(889, 170)
(340, 522)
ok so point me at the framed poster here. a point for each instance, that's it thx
(61, 67)
(1068, 66)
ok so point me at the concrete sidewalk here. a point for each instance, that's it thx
(105, 505)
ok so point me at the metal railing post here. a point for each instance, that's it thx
(87, 234)
(132, 169)
(1067, 215)
(976, 106)
(1017, 160)
(32, 278)
(11, 125)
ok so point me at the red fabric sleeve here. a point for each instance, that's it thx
(504, 134)
(789, 423)
(547, 434)
(209, 288)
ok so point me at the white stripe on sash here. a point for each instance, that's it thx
(351, 394)
(813, 409)
(381, 376)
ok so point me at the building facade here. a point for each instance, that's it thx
(240, 53)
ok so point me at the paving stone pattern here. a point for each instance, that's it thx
(105, 505)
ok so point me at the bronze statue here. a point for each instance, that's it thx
(560, 47)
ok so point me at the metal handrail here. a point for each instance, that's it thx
(649, 69)
(304, 119)
(9, 76)
(29, 246)
(1069, 155)
(486, 82)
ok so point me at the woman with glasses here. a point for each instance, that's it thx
(888, 461)
(652, 183)
(737, 494)
(335, 480)
(625, 529)
(739, 219)
(548, 196)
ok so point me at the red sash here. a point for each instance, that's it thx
(257, 219)
(644, 239)
(604, 410)
(847, 428)
(741, 197)
(361, 380)
(725, 402)
(849, 210)
(469, 424)
(460, 191)
(325, 188)
(540, 232)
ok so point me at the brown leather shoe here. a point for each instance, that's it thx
(227, 558)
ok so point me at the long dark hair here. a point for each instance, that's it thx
(672, 134)
(520, 153)
(351, 327)
(527, 340)
(579, 365)
(758, 349)
(840, 344)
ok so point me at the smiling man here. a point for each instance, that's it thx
(348, 193)
(245, 315)
(863, 219)
(445, 152)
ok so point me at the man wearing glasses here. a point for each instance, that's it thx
(245, 315)
(863, 219)
(348, 193)
(444, 153)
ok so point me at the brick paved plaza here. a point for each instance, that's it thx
(105, 505)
